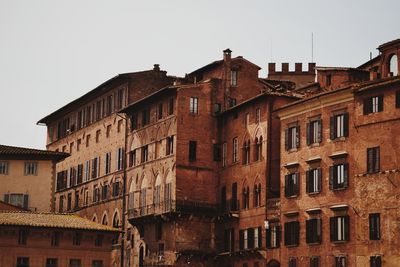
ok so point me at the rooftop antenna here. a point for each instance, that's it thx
(312, 47)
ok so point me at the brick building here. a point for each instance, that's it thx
(27, 177)
(53, 240)
(339, 171)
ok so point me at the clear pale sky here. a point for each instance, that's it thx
(52, 52)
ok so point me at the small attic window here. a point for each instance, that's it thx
(393, 66)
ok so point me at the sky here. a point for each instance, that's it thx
(52, 52)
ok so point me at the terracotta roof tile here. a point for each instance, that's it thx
(22, 151)
(51, 220)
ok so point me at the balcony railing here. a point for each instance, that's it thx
(170, 206)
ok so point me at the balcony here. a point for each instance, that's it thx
(229, 209)
(151, 212)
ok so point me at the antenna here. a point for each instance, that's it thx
(370, 55)
(312, 47)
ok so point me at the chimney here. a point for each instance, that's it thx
(156, 67)
(227, 54)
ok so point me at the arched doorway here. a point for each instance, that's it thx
(141, 256)
(273, 263)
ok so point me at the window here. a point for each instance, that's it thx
(232, 103)
(339, 228)
(71, 147)
(75, 263)
(246, 197)
(76, 239)
(314, 261)
(375, 261)
(292, 184)
(243, 239)
(339, 126)
(107, 163)
(142, 202)
(22, 236)
(292, 262)
(192, 150)
(234, 200)
(96, 193)
(97, 263)
(145, 154)
(132, 158)
(96, 167)
(120, 159)
(19, 200)
(233, 77)
(224, 154)
(108, 130)
(87, 140)
(119, 125)
(229, 240)
(171, 106)
(22, 262)
(76, 199)
(338, 176)
(30, 168)
(98, 133)
(292, 232)
(340, 261)
(374, 226)
(116, 189)
(257, 195)
(246, 119)
(98, 242)
(61, 204)
(258, 115)
(145, 117)
(235, 150)
(87, 170)
(134, 121)
(217, 152)
(104, 191)
(246, 152)
(314, 180)
(4, 167)
(69, 201)
(398, 99)
(373, 104)
(313, 231)
(51, 262)
(78, 144)
(314, 132)
(258, 145)
(393, 66)
(194, 109)
(169, 150)
(292, 137)
(373, 159)
(55, 239)
(79, 174)
(273, 236)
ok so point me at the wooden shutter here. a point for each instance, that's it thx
(278, 235)
(347, 227)
(7, 198)
(371, 227)
(296, 232)
(308, 182)
(398, 99)
(319, 179)
(268, 237)
(346, 175)
(297, 187)
(331, 168)
(241, 239)
(309, 230)
(377, 159)
(286, 234)
(250, 238)
(346, 124)
(287, 185)
(370, 160)
(367, 106)
(26, 200)
(297, 136)
(332, 128)
(319, 131)
(319, 230)
(259, 241)
(286, 139)
(308, 133)
(333, 228)
(380, 103)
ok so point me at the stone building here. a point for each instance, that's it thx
(53, 240)
(339, 171)
(27, 177)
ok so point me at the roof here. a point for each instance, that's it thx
(376, 83)
(369, 62)
(22, 152)
(384, 45)
(8, 206)
(51, 220)
(338, 69)
(219, 62)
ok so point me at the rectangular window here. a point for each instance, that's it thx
(229, 240)
(160, 111)
(374, 226)
(234, 77)
(192, 150)
(340, 261)
(373, 159)
(97, 263)
(134, 121)
(235, 149)
(145, 154)
(338, 176)
(292, 137)
(107, 163)
(51, 262)
(95, 167)
(169, 150)
(98, 242)
(243, 239)
(75, 263)
(314, 261)
(224, 154)
(145, 117)
(104, 191)
(19, 200)
(76, 206)
(120, 159)
(87, 140)
(78, 144)
(339, 126)
(373, 104)
(116, 189)
(375, 261)
(55, 239)
(87, 171)
(171, 106)
(292, 262)
(79, 174)
(98, 133)
(76, 239)
(217, 152)
(292, 233)
(69, 201)
(339, 228)
(108, 130)
(30, 168)
(96, 193)
(119, 125)
(292, 184)
(314, 132)
(132, 158)
(313, 231)
(22, 236)
(273, 236)
(194, 108)
(314, 180)
(22, 262)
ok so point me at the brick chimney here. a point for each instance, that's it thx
(227, 54)
(156, 67)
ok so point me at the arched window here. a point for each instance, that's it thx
(246, 197)
(257, 195)
(258, 145)
(104, 221)
(393, 66)
(246, 152)
(94, 218)
(116, 220)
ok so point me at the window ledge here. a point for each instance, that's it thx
(316, 144)
(338, 242)
(339, 139)
(313, 193)
(292, 246)
(314, 244)
(294, 196)
(339, 189)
